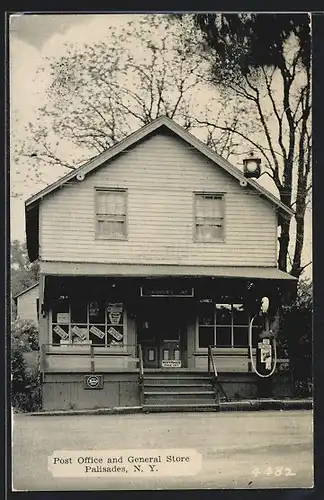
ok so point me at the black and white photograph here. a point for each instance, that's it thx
(161, 286)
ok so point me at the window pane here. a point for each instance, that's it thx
(223, 336)
(209, 206)
(96, 312)
(60, 311)
(101, 203)
(217, 207)
(223, 314)
(240, 336)
(206, 314)
(113, 229)
(151, 355)
(79, 312)
(115, 203)
(115, 313)
(80, 334)
(202, 208)
(111, 202)
(206, 336)
(240, 316)
(97, 334)
(60, 333)
(209, 232)
(115, 335)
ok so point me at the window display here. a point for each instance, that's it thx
(96, 322)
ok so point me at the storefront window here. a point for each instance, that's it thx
(79, 313)
(225, 325)
(96, 322)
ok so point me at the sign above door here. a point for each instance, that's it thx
(161, 291)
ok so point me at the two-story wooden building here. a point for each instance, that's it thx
(150, 253)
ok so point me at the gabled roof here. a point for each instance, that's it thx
(32, 204)
(140, 134)
(25, 291)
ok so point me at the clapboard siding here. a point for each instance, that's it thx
(160, 175)
(27, 305)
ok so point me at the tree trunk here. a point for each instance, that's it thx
(300, 225)
(284, 245)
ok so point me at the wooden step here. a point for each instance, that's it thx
(175, 380)
(177, 387)
(179, 393)
(193, 407)
(178, 400)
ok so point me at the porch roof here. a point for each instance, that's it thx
(161, 270)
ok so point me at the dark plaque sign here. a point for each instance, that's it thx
(93, 381)
(161, 291)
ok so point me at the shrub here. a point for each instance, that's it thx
(25, 383)
(296, 340)
(26, 334)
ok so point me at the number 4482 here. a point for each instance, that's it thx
(273, 471)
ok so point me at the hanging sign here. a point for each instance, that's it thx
(96, 331)
(79, 333)
(63, 317)
(113, 332)
(60, 332)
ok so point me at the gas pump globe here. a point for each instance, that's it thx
(251, 166)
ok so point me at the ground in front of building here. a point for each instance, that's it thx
(268, 449)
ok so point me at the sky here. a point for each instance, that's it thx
(33, 39)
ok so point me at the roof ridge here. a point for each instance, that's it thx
(140, 134)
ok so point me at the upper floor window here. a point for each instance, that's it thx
(111, 213)
(209, 217)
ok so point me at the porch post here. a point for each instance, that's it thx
(43, 337)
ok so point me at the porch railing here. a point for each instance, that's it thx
(213, 374)
(87, 350)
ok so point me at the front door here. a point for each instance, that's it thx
(162, 332)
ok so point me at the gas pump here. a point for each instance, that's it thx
(266, 352)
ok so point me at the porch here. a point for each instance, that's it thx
(123, 333)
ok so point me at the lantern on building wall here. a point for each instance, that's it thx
(252, 166)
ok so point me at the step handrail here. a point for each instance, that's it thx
(141, 372)
(214, 374)
(211, 361)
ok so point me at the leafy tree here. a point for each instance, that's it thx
(296, 337)
(25, 334)
(23, 273)
(102, 92)
(261, 64)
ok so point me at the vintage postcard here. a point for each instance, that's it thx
(161, 246)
